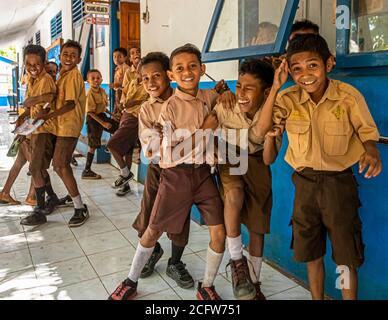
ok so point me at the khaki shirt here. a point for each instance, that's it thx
(129, 75)
(120, 73)
(134, 91)
(329, 135)
(71, 87)
(236, 120)
(96, 101)
(183, 114)
(150, 139)
(36, 87)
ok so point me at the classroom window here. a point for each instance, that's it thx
(78, 13)
(259, 28)
(37, 38)
(56, 26)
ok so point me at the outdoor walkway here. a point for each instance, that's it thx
(54, 261)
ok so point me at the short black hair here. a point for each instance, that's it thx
(53, 63)
(121, 50)
(187, 48)
(304, 25)
(260, 69)
(309, 43)
(35, 49)
(93, 70)
(159, 57)
(72, 44)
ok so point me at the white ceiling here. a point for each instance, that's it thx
(19, 15)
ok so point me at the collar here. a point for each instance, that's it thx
(331, 93)
(188, 97)
(61, 75)
(155, 99)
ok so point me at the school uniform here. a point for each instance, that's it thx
(125, 138)
(149, 113)
(118, 77)
(325, 140)
(69, 125)
(42, 139)
(256, 179)
(96, 102)
(185, 181)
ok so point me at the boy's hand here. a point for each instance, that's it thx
(281, 75)
(42, 115)
(372, 159)
(275, 132)
(210, 122)
(227, 99)
(221, 87)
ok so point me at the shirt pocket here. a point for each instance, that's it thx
(336, 137)
(298, 135)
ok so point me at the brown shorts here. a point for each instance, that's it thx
(63, 152)
(179, 189)
(42, 151)
(327, 203)
(257, 186)
(151, 187)
(125, 138)
(95, 129)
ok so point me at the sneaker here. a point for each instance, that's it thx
(91, 175)
(65, 201)
(7, 199)
(125, 291)
(37, 218)
(74, 162)
(79, 218)
(259, 294)
(123, 190)
(51, 204)
(152, 261)
(208, 293)
(243, 288)
(121, 180)
(179, 273)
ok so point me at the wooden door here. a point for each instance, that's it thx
(129, 24)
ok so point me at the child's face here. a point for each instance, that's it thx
(309, 71)
(118, 58)
(249, 92)
(187, 71)
(69, 58)
(155, 79)
(94, 79)
(34, 65)
(134, 56)
(52, 70)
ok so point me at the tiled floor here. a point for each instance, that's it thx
(55, 262)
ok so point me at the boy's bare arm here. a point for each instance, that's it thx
(44, 98)
(270, 151)
(370, 158)
(67, 107)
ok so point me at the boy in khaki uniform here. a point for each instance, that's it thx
(247, 193)
(69, 116)
(329, 129)
(96, 120)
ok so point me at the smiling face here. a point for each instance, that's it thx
(308, 70)
(69, 58)
(34, 65)
(135, 56)
(118, 58)
(94, 79)
(155, 80)
(250, 93)
(52, 70)
(187, 71)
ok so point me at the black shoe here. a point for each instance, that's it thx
(91, 175)
(123, 190)
(74, 162)
(37, 218)
(179, 273)
(79, 218)
(121, 180)
(152, 261)
(65, 201)
(51, 204)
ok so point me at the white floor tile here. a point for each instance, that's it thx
(103, 242)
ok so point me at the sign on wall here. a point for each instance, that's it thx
(97, 8)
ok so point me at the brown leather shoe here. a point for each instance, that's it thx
(7, 199)
(243, 288)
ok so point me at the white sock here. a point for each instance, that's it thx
(139, 261)
(254, 265)
(235, 248)
(78, 204)
(124, 172)
(213, 261)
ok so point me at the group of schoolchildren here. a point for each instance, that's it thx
(329, 129)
